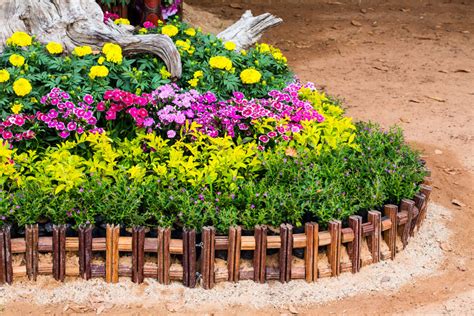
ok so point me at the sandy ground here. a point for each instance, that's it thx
(409, 63)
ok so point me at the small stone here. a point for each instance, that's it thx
(356, 23)
(385, 279)
(363, 11)
(458, 203)
(292, 309)
(235, 6)
(100, 310)
(446, 246)
(438, 152)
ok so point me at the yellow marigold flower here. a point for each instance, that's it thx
(4, 75)
(17, 60)
(230, 46)
(54, 48)
(164, 73)
(101, 60)
(198, 74)
(243, 52)
(220, 62)
(250, 76)
(190, 32)
(263, 48)
(193, 82)
(184, 45)
(20, 39)
(33, 100)
(111, 47)
(122, 21)
(142, 31)
(16, 108)
(22, 87)
(98, 71)
(169, 30)
(113, 53)
(82, 51)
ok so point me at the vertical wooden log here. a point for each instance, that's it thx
(134, 254)
(212, 255)
(354, 247)
(116, 254)
(335, 228)
(283, 252)
(189, 258)
(426, 191)
(56, 252)
(62, 252)
(390, 235)
(308, 251)
(419, 203)
(263, 255)
(31, 238)
(231, 254)
(8, 254)
(160, 254)
(406, 205)
(205, 256)
(138, 254)
(315, 251)
(289, 252)
(238, 246)
(88, 252)
(166, 256)
(257, 253)
(109, 249)
(3, 268)
(375, 219)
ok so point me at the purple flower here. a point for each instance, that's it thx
(64, 134)
(88, 99)
(171, 133)
(71, 126)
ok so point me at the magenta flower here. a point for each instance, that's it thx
(101, 106)
(71, 126)
(88, 99)
(148, 25)
(64, 134)
(7, 134)
(171, 133)
(264, 138)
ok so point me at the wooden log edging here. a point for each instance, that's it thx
(395, 223)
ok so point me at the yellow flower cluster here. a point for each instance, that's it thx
(169, 30)
(20, 39)
(22, 87)
(17, 60)
(16, 108)
(190, 32)
(221, 62)
(54, 48)
(142, 31)
(185, 46)
(82, 51)
(231, 46)
(4, 75)
(122, 21)
(113, 53)
(98, 71)
(250, 76)
(164, 73)
(276, 53)
(195, 81)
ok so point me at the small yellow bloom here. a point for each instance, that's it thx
(22, 87)
(101, 60)
(20, 39)
(169, 30)
(230, 46)
(17, 60)
(220, 62)
(263, 48)
(183, 45)
(4, 75)
(16, 108)
(33, 100)
(122, 21)
(82, 51)
(113, 53)
(243, 52)
(193, 82)
(142, 31)
(164, 73)
(250, 76)
(54, 48)
(190, 32)
(98, 71)
(198, 74)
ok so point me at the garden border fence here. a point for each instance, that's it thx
(393, 228)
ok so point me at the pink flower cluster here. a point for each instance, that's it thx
(110, 16)
(170, 10)
(168, 108)
(65, 116)
(16, 127)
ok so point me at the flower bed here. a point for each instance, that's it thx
(98, 139)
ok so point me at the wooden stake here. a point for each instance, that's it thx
(283, 252)
(315, 251)
(263, 255)
(31, 238)
(138, 254)
(406, 205)
(390, 235)
(335, 247)
(289, 252)
(238, 244)
(189, 258)
(419, 203)
(166, 256)
(115, 254)
(426, 191)
(8, 254)
(308, 251)
(231, 254)
(212, 254)
(354, 247)
(3, 268)
(205, 256)
(374, 218)
(257, 253)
